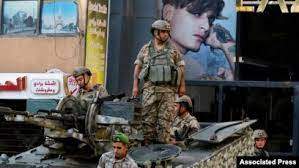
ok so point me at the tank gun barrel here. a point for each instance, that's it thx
(9, 111)
(51, 114)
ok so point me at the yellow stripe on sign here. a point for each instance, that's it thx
(96, 39)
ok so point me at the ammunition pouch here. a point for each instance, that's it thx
(160, 73)
(163, 74)
(175, 78)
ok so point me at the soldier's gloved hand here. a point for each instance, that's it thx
(172, 141)
(178, 136)
(185, 132)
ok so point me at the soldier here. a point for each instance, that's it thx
(87, 90)
(260, 138)
(160, 67)
(118, 158)
(86, 94)
(184, 124)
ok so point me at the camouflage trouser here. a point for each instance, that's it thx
(158, 115)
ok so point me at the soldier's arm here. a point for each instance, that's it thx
(182, 87)
(103, 91)
(194, 127)
(181, 64)
(101, 163)
(138, 66)
(136, 80)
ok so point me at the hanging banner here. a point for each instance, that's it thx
(97, 39)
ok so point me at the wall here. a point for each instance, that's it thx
(37, 54)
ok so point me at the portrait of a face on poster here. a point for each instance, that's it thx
(205, 33)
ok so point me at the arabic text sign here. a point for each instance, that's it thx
(45, 86)
(97, 39)
(10, 86)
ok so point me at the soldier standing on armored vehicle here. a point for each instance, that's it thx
(260, 138)
(118, 158)
(160, 67)
(184, 124)
(87, 90)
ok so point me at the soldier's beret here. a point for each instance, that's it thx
(120, 137)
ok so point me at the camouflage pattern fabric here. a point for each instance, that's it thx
(188, 122)
(143, 59)
(260, 152)
(86, 97)
(157, 100)
(227, 156)
(100, 88)
(158, 114)
(107, 160)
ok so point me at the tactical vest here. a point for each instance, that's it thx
(160, 69)
(86, 99)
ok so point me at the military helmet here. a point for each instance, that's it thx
(160, 25)
(121, 137)
(81, 71)
(259, 133)
(185, 99)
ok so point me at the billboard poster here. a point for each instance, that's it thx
(59, 16)
(204, 31)
(96, 38)
(19, 17)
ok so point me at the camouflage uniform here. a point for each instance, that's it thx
(188, 123)
(86, 97)
(261, 152)
(158, 100)
(107, 160)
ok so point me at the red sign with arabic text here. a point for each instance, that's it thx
(45, 86)
(11, 86)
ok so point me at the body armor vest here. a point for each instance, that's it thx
(160, 69)
(86, 99)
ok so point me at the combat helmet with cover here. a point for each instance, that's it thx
(81, 71)
(160, 25)
(185, 99)
(259, 133)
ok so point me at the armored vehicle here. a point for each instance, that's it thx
(216, 145)
(76, 138)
